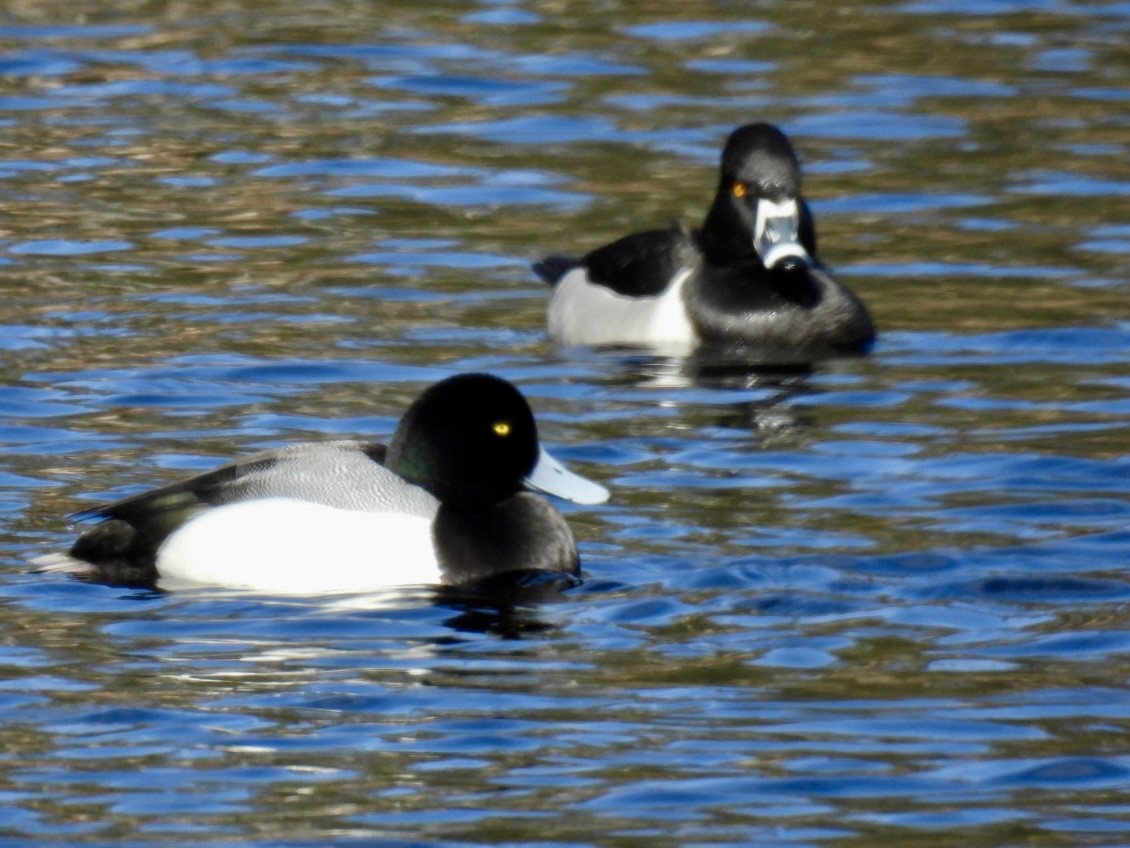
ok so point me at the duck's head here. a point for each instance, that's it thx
(471, 440)
(758, 208)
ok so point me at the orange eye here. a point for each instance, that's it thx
(740, 189)
(501, 428)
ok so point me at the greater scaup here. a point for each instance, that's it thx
(444, 502)
(748, 275)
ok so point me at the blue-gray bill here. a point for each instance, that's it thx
(776, 234)
(552, 478)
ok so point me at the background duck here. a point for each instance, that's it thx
(750, 274)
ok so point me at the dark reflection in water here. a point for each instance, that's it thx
(723, 368)
(748, 391)
(507, 605)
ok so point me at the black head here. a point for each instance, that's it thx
(760, 157)
(470, 440)
(758, 210)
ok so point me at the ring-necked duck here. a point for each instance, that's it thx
(748, 275)
(444, 502)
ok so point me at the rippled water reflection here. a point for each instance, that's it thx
(878, 603)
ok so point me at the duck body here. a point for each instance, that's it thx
(445, 502)
(749, 275)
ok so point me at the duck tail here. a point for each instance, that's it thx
(553, 268)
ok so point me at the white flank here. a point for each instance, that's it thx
(582, 313)
(288, 546)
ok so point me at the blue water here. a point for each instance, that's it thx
(882, 602)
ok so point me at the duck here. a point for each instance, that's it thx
(749, 275)
(453, 498)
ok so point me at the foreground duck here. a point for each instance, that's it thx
(446, 501)
(749, 275)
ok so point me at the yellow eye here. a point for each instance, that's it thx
(501, 428)
(740, 189)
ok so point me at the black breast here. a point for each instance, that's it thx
(522, 532)
(800, 309)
